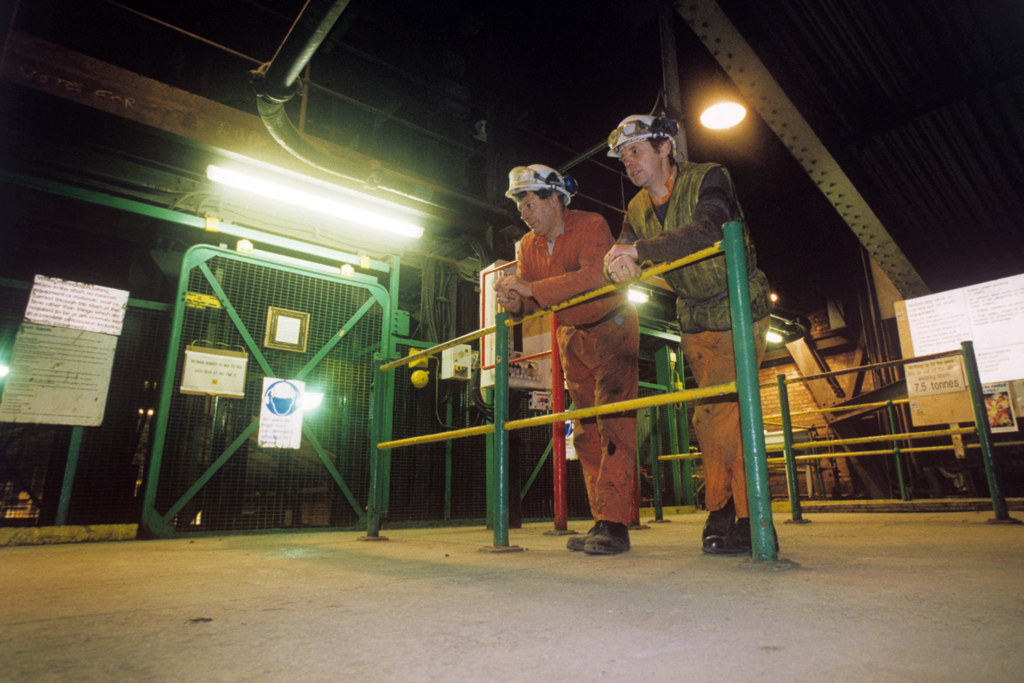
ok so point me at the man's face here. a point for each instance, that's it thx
(643, 163)
(543, 216)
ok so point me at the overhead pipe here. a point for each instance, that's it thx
(277, 82)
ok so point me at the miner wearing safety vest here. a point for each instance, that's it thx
(679, 210)
(598, 340)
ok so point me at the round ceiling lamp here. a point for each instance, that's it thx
(723, 115)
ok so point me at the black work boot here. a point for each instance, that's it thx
(737, 541)
(577, 542)
(719, 523)
(608, 538)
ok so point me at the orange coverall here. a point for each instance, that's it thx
(599, 342)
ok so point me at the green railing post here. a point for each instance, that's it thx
(663, 371)
(762, 529)
(984, 431)
(652, 440)
(374, 497)
(683, 426)
(500, 436)
(448, 462)
(897, 458)
(787, 446)
(70, 468)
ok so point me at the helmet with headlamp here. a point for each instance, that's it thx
(538, 177)
(641, 127)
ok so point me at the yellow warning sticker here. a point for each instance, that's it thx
(200, 300)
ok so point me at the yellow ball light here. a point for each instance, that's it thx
(420, 378)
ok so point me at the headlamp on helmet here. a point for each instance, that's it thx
(536, 177)
(641, 127)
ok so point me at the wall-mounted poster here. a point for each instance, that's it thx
(76, 305)
(999, 407)
(58, 376)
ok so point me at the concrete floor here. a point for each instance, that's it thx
(876, 596)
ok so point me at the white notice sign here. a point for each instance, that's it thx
(79, 306)
(214, 372)
(939, 376)
(990, 314)
(281, 413)
(58, 376)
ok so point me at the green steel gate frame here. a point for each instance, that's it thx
(155, 523)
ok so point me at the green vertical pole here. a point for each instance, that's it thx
(500, 436)
(663, 371)
(787, 445)
(74, 449)
(448, 463)
(151, 521)
(897, 458)
(659, 513)
(762, 529)
(489, 467)
(683, 425)
(373, 503)
(984, 430)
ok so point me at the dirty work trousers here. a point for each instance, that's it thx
(600, 366)
(709, 356)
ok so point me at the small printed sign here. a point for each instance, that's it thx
(570, 447)
(281, 413)
(214, 372)
(939, 376)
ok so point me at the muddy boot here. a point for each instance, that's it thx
(608, 538)
(578, 541)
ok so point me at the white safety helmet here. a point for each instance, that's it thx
(540, 177)
(641, 127)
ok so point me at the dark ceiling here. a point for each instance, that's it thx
(921, 104)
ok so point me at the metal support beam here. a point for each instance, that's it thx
(763, 93)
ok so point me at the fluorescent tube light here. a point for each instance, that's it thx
(340, 209)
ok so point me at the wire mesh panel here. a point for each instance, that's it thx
(444, 480)
(107, 464)
(213, 475)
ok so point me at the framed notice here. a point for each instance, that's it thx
(286, 330)
(214, 372)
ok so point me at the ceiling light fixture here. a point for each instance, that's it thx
(341, 209)
(723, 115)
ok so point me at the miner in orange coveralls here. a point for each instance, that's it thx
(680, 209)
(561, 257)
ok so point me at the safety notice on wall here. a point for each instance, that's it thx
(932, 377)
(991, 315)
(281, 413)
(76, 305)
(214, 372)
(58, 376)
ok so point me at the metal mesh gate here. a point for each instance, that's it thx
(208, 471)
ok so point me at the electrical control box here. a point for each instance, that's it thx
(457, 362)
